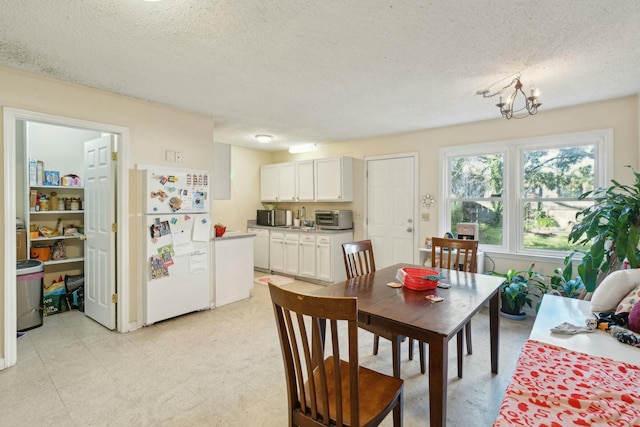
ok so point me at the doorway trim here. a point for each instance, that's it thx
(416, 195)
(10, 116)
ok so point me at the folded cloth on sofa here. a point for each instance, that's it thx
(554, 386)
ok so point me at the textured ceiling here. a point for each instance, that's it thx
(326, 71)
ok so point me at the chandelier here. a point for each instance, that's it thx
(517, 105)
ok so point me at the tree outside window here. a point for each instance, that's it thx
(524, 194)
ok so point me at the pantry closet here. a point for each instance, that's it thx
(50, 195)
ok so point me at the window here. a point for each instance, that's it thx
(524, 193)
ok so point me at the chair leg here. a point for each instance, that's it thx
(460, 339)
(467, 333)
(423, 366)
(397, 411)
(376, 341)
(410, 348)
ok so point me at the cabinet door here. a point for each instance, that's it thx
(286, 182)
(308, 256)
(276, 253)
(269, 183)
(291, 247)
(323, 261)
(334, 179)
(304, 179)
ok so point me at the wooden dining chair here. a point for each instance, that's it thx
(456, 254)
(359, 260)
(327, 390)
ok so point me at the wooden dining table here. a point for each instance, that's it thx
(407, 312)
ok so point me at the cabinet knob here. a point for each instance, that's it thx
(409, 230)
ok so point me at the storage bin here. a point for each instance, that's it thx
(29, 299)
(42, 253)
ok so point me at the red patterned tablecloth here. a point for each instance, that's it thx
(556, 387)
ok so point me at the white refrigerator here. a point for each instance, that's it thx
(177, 231)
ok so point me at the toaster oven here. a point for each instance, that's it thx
(334, 220)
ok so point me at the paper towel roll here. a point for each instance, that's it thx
(289, 217)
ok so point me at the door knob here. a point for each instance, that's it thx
(409, 230)
(409, 220)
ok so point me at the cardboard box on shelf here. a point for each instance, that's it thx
(52, 178)
(21, 244)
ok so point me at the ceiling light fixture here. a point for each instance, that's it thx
(303, 148)
(518, 105)
(264, 138)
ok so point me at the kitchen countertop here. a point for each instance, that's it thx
(229, 235)
(301, 229)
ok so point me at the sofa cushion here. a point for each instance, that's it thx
(628, 301)
(613, 289)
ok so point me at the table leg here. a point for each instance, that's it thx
(494, 331)
(459, 339)
(438, 367)
(395, 355)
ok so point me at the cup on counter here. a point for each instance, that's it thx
(296, 223)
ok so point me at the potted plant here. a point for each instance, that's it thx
(562, 282)
(220, 229)
(610, 226)
(515, 291)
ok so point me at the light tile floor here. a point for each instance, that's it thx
(221, 367)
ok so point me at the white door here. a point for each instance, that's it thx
(391, 205)
(99, 206)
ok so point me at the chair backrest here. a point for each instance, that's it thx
(454, 254)
(310, 377)
(358, 258)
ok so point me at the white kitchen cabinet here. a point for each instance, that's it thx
(269, 183)
(307, 264)
(329, 258)
(286, 182)
(305, 191)
(276, 251)
(278, 182)
(308, 255)
(323, 258)
(334, 179)
(291, 256)
(283, 252)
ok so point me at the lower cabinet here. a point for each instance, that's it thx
(291, 247)
(283, 252)
(309, 255)
(323, 258)
(276, 251)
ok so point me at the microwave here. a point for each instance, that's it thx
(334, 220)
(272, 218)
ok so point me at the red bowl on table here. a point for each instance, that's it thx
(413, 278)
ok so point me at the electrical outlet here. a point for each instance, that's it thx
(178, 156)
(170, 156)
(426, 216)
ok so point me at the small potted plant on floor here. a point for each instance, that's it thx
(516, 290)
(563, 283)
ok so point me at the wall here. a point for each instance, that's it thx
(620, 114)
(245, 189)
(153, 128)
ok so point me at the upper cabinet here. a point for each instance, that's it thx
(277, 183)
(304, 179)
(334, 179)
(322, 180)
